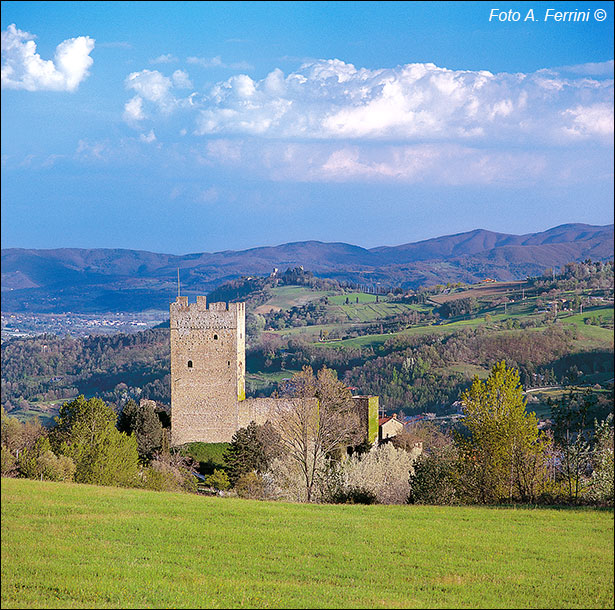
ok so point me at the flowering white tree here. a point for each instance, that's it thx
(383, 472)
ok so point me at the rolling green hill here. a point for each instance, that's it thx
(103, 280)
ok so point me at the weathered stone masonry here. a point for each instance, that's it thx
(208, 360)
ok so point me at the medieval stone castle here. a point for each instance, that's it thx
(208, 368)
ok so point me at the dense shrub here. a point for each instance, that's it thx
(602, 478)
(40, 462)
(170, 471)
(251, 486)
(9, 463)
(435, 477)
(218, 480)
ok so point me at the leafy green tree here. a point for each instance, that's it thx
(142, 421)
(503, 452)
(82, 420)
(252, 448)
(86, 433)
(218, 480)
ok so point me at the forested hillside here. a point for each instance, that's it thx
(417, 350)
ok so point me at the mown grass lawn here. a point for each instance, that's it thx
(67, 545)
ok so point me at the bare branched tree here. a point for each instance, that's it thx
(317, 423)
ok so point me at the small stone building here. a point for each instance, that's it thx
(208, 401)
(388, 427)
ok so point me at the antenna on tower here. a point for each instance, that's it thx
(178, 281)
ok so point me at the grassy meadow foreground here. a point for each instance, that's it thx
(67, 545)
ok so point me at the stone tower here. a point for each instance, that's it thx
(207, 370)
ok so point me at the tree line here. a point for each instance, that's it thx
(414, 373)
(496, 454)
(90, 443)
(316, 450)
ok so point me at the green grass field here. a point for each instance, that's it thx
(75, 546)
(340, 299)
(285, 297)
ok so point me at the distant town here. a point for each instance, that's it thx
(78, 324)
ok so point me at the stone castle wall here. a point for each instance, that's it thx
(261, 410)
(208, 401)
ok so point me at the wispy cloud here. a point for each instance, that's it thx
(441, 163)
(148, 138)
(216, 62)
(114, 44)
(164, 59)
(603, 68)
(23, 67)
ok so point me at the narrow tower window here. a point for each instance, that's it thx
(216, 337)
(189, 364)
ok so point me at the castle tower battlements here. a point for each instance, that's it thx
(207, 369)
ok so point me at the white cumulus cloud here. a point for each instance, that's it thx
(23, 67)
(181, 80)
(588, 121)
(416, 124)
(330, 99)
(133, 110)
(154, 89)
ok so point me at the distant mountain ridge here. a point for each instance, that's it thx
(97, 280)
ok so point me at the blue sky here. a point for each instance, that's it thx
(194, 126)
